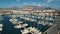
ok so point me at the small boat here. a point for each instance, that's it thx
(19, 22)
(1, 14)
(27, 19)
(47, 18)
(33, 20)
(1, 18)
(25, 25)
(43, 23)
(1, 25)
(33, 16)
(13, 16)
(50, 24)
(13, 20)
(18, 26)
(0, 29)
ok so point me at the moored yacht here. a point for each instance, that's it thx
(31, 30)
(1, 26)
(1, 18)
(20, 22)
(14, 16)
(43, 22)
(33, 20)
(13, 20)
(21, 26)
(0, 29)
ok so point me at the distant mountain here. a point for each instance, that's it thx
(30, 7)
(37, 7)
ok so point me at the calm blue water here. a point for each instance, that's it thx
(8, 27)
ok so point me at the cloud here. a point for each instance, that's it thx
(25, 3)
(43, 4)
(48, 1)
(18, 0)
(35, 4)
(52, 0)
(39, 5)
(30, 3)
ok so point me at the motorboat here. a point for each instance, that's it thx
(28, 19)
(33, 16)
(18, 26)
(21, 26)
(30, 30)
(43, 23)
(0, 29)
(13, 16)
(13, 20)
(33, 20)
(1, 18)
(1, 25)
(47, 18)
(19, 22)
(50, 24)
(1, 14)
(25, 25)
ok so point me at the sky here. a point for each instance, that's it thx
(21, 3)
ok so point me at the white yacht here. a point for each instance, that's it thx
(1, 25)
(14, 21)
(1, 14)
(27, 19)
(1, 18)
(51, 19)
(14, 16)
(39, 17)
(18, 26)
(50, 24)
(33, 20)
(22, 17)
(33, 16)
(43, 23)
(20, 22)
(25, 25)
(46, 18)
(21, 26)
(31, 30)
(0, 29)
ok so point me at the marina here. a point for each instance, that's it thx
(18, 23)
(26, 23)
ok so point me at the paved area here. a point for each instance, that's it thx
(54, 29)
